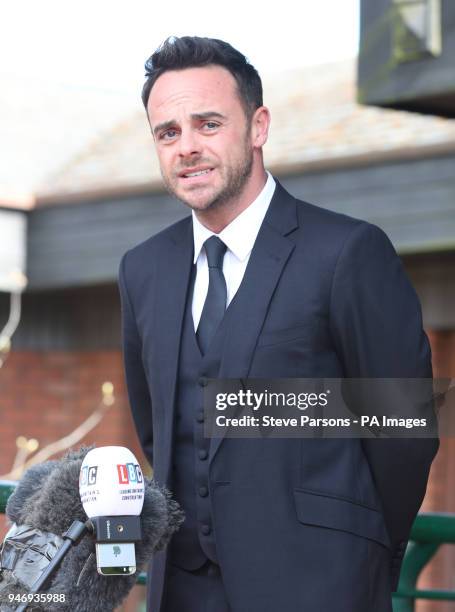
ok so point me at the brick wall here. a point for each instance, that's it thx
(46, 395)
(440, 495)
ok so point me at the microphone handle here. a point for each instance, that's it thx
(72, 537)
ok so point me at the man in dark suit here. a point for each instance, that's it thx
(258, 284)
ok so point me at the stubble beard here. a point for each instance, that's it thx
(236, 178)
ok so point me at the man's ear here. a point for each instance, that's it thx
(260, 123)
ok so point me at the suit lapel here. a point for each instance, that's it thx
(247, 312)
(171, 293)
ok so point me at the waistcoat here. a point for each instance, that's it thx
(194, 543)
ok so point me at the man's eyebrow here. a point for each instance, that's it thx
(208, 115)
(165, 125)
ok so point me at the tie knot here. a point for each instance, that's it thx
(215, 250)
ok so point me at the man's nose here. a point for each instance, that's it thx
(189, 143)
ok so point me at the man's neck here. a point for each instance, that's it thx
(217, 219)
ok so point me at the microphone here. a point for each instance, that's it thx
(111, 487)
(133, 519)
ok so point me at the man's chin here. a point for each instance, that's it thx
(197, 201)
(197, 205)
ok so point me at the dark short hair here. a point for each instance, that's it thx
(194, 51)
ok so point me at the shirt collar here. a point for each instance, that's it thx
(239, 236)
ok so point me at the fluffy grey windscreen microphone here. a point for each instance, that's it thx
(47, 501)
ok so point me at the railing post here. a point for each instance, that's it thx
(6, 488)
(417, 556)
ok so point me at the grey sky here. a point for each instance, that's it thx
(70, 70)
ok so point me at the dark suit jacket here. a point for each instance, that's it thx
(299, 524)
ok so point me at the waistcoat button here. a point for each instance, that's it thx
(200, 416)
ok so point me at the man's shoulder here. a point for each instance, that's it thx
(313, 216)
(326, 231)
(159, 242)
(318, 215)
(333, 232)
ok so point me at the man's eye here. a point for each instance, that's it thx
(211, 125)
(168, 135)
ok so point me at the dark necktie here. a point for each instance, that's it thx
(215, 302)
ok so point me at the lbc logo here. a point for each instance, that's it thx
(88, 475)
(129, 473)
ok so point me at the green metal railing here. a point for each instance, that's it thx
(428, 533)
(6, 488)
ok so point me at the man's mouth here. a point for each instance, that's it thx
(193, 173)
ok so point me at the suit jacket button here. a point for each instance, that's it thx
(203, 382)
(213, 570)
(202, 454)
(203, 491)
(206, 529)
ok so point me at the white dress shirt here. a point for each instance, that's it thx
(239, 237)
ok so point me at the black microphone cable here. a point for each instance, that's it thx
(71, 537)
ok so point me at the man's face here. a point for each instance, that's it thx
(202, 136)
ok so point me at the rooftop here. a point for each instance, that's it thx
(316, 123)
